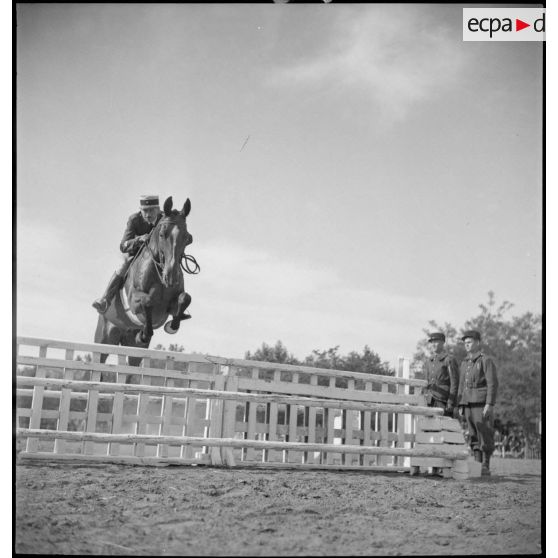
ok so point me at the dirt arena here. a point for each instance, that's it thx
(75, 509)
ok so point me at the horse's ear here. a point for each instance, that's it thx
(186, 209)
(168, 206)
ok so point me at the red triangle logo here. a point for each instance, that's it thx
(519, 25)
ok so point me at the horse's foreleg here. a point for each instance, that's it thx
(183, 301)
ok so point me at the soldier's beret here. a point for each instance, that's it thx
(473, 334)
(149, 201)
(437, 336)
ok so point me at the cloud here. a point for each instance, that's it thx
(398, 55)
(244, 297)
(241, 298)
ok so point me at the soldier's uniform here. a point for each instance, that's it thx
(478, 386)
(136, 227)
(130, 244)
(442, 375)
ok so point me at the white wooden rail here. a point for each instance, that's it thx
(181, 408)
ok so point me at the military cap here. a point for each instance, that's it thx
(437, 336)
(473, 334)
(149, 201)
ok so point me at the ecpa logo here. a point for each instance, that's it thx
(503, 24)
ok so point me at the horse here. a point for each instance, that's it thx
(153, 288)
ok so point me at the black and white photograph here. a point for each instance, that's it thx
(279, 279)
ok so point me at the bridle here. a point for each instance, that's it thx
(185, 260)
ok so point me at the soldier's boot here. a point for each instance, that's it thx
(485, 470)
(102, 304)
(478, 455)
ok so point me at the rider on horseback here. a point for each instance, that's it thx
(137, 231)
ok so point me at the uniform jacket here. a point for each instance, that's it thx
(442, 375)
(135, 227)
(478, 382)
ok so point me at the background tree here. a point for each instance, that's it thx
(267, 353)
(367, 361)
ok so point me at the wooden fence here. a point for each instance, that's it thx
(196, 409)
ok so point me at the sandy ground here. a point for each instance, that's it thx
(113, 509)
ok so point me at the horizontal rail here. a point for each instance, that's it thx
(118, 459)
(203, 460)
(230, 395)
(430, 451)
(209, 359)
(113, 368)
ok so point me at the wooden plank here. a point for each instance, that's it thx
(166, 419)
(250, 434)
(142, 407)
(400, 419)
(113, 350)
(116, 427)
(215, 407)
(430, 424)
(273, 409)
(122, 459)
(155, 461)
(329, 417)
(348, 421)
(117, 408)
(92, 407)
(309, 457)
(450, 424)
(209, 359)
(366, 428)
(429, 437)
(309, 390)
(457, 449)
(431, 462)
(119, 370)
(440, 437)
(384, 442)
(426, 451)
(240, 396)
(229, 419)
(293, 457)
(64, 406)
(37, 403)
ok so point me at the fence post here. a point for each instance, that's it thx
(404, 371)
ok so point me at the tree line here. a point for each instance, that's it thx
(514, 342)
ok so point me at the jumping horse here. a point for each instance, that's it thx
(153, 288)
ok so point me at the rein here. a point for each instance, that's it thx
(185, 260)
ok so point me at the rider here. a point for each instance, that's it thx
(137, 231)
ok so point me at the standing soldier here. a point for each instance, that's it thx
(478, 386)
(442, 375)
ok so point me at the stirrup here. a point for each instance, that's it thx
(101, 305)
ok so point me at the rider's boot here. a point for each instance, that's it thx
(485, 471)
(102, 304)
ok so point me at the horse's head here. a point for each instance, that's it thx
(171, 238)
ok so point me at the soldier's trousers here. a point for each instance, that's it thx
(124, 265)
(481, 430)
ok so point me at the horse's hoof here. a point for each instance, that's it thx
(140, 339)
(169, 329)
(101, 305)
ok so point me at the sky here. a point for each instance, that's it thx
(353, 174)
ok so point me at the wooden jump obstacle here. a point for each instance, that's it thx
(196, 409)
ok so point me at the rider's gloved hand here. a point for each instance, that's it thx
(143, 238)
